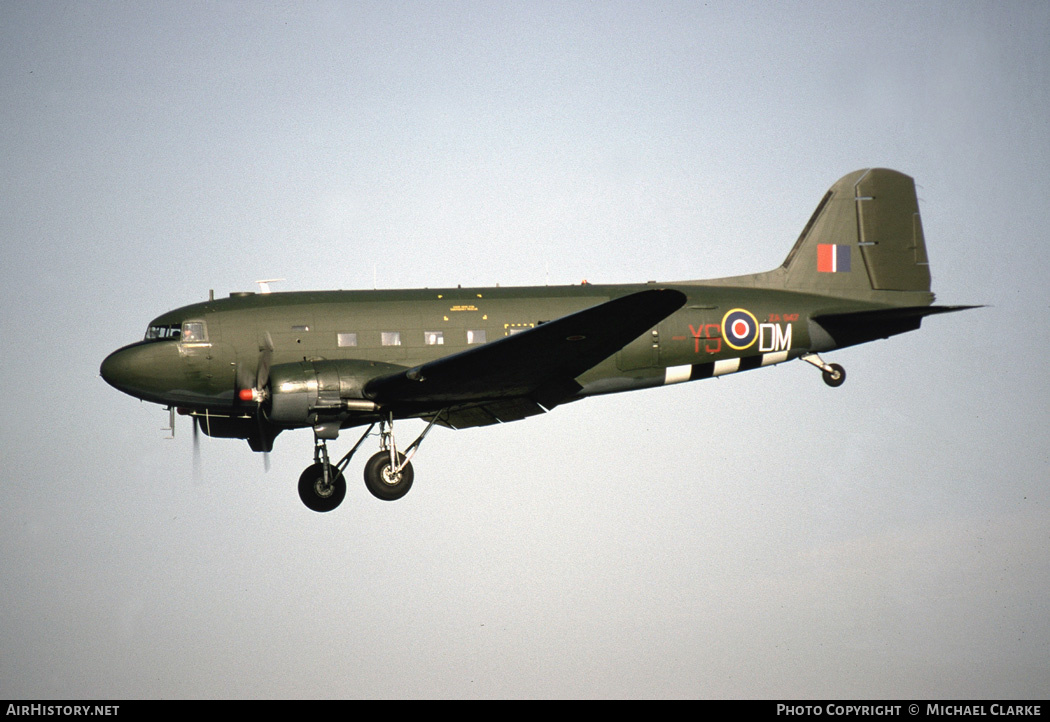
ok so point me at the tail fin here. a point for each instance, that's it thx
(864, 239)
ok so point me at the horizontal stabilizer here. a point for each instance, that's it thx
(848, 329)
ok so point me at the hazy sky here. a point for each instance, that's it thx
(759, 535)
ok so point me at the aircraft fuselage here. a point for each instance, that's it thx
(196, 367)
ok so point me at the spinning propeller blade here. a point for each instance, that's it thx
(196, 448)
(254, 389)
(262, 374)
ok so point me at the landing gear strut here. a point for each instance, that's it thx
(834, 375)
(322, 486)
(388, 474)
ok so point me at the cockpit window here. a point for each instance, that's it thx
(188, 332)
(164, 332)
(193, 332)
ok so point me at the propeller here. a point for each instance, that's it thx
(254, 390)
(196, 448)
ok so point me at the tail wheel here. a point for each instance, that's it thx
(316, 494)
(834, 375)
(383, 481)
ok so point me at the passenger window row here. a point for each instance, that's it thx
(393, 338)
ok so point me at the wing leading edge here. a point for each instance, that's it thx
(530, 371)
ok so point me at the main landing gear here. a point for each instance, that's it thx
(834, 375)
(388, 474)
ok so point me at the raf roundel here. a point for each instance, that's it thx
(739, 329)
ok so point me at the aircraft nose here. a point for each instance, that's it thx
(142, 370)
(158, 371)
(117, 370)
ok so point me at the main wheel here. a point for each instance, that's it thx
(315, 494)
(382, 482)
(836, 376)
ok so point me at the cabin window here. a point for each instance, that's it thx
(512, 328)
(193, 332)
(434, 338)
(475, 335)
(346, 339)
(391, 338)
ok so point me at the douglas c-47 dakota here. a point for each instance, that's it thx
(253, 365)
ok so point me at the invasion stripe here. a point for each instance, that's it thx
(703, 371)
(726, 366)
(696, 372)
(768, 359)
(677, 374)
(751, 362)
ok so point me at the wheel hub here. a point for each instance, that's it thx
(390, 477)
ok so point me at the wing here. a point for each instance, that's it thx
(484, 413)
(515, 376)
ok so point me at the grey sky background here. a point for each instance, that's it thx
(759, 535)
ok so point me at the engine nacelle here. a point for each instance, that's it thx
(309, 393)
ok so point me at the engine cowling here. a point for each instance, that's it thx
(310, 393)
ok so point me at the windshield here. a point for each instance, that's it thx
(164, 332)
(186, 332)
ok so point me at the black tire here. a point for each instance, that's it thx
(835, 377)
(379, 481)
(313, 492)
